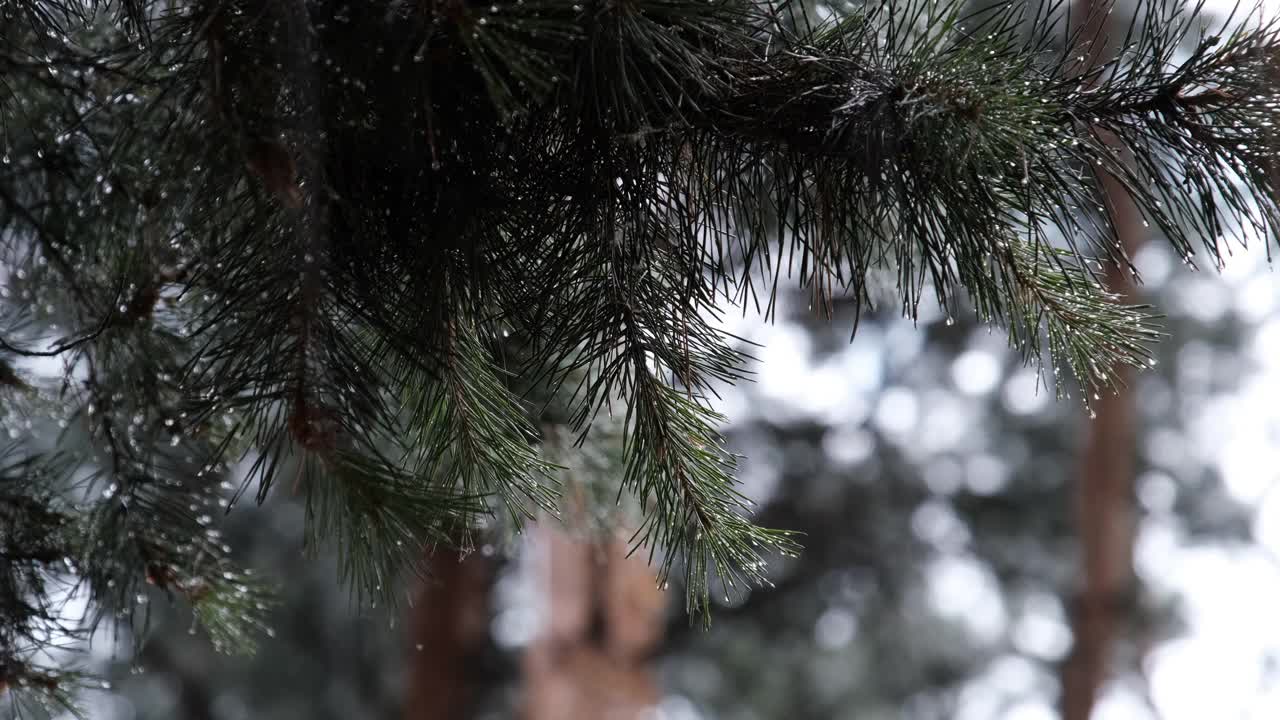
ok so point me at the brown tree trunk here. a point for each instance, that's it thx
(604, 621)
(1105, 523)
(1104, 506)
(448, 624)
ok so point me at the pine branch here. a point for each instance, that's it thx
(468, 431)
(675, 460)
(31, 690)
(287, 233)
(382, 519)
(1064, 303)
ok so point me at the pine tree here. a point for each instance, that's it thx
(362, 252)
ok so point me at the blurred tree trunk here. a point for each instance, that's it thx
(194, 697)
(1105, 522)
(1104, 502)
(448, 626)
(603, 620)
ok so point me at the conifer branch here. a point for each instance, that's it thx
(360, 201)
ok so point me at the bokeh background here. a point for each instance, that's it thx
(933, 477)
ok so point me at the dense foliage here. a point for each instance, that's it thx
(345, 248)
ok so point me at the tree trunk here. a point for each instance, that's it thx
(447, 627)
(604, 619)
(1105, 522)
(1104, 506)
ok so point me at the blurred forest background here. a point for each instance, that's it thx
(935, 480)
(937, 483)
(942, 493)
